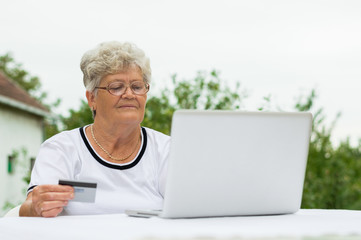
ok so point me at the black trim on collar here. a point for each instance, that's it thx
(119, 167)
(31, 188)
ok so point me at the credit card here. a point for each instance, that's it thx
(83, 191)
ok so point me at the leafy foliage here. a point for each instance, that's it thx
(20, 156)
(159, 112)
(205, 91)
(77, 118)
(15, 71)
(32, 85)
(333, 176)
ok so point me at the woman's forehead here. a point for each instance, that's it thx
(128, 75)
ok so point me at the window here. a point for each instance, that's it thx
(11, 163)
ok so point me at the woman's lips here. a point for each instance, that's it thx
(127, 106)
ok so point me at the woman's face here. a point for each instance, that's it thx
(127, 108)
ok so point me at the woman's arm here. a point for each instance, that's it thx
(46, 201)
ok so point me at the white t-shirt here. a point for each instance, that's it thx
(139, 184)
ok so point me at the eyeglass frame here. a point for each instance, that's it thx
(147, 87)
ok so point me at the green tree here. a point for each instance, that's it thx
(15, 71)
(333, 176)
(159, 112)
(205, 91)
(32, 85)
(77, 118)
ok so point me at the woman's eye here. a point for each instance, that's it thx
(117, 88)
(137, 86)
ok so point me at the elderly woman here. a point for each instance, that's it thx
(127, 161)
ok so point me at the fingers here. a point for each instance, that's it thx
(56, 196)
(53, 188)
(49, 200)
(49, 205)
(52, 208)
(52, 212)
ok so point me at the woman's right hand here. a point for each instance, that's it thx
(47, 201)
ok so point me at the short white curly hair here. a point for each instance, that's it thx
(111, 58)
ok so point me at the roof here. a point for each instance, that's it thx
(13, 95)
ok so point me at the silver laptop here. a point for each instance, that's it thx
(232, 163)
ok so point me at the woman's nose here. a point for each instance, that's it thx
(128, 93)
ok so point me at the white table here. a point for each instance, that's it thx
(305, 224)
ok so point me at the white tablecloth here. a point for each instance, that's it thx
(305, 224)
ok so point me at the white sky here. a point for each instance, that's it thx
(281, 47)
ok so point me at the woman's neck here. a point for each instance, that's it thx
(118, 140)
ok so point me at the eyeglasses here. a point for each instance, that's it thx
(119, 88)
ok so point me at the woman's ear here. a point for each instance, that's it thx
(91, 100)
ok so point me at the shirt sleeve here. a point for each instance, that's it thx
(56, 160)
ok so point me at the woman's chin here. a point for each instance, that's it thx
(130, 118)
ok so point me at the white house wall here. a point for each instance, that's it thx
(18, 131)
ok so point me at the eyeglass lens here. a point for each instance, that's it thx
(118, 88)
